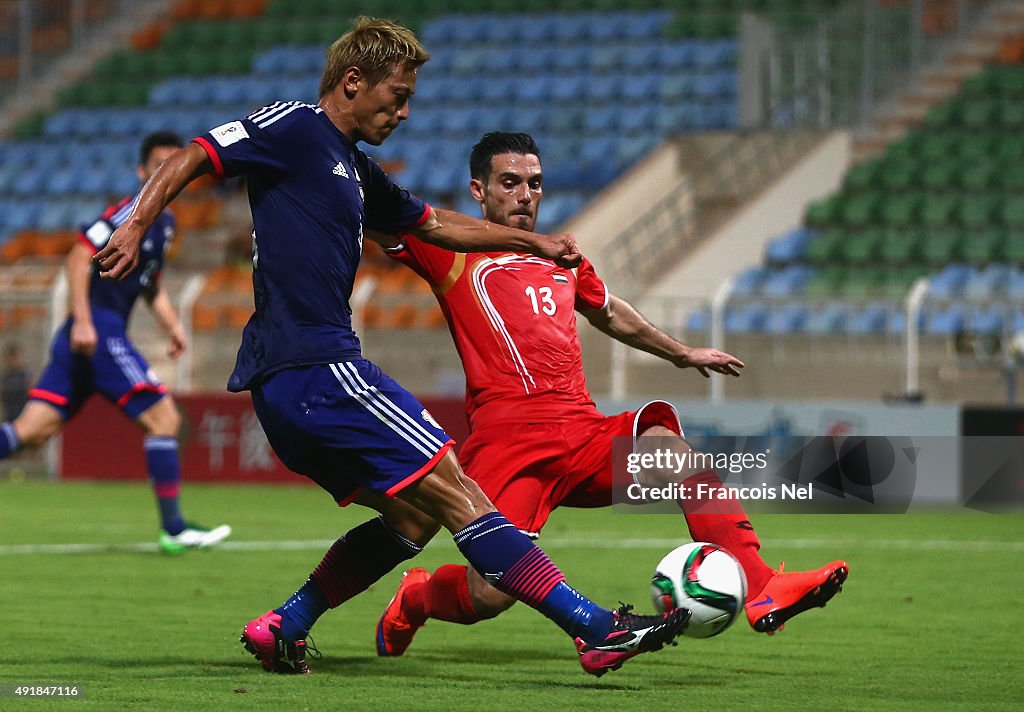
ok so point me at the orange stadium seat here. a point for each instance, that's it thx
(205, 317)
(431, 317)
(1012, 51)
(14, 249)
(187, 9)
(236, 315)
(247, 8)
(215, 9)
(373, 316)
(149, 37)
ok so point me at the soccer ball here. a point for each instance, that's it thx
(705, 579)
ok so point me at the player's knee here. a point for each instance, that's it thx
(488, 602)
(162, 420)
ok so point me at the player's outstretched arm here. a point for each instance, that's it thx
(121, 253)
(621, 321)
(462, 233)
(163, 309)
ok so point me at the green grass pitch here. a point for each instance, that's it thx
(930, 618)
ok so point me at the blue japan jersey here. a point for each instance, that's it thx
(312, 193)
(118, 296)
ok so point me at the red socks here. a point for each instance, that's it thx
(724, 523)
(444, 596)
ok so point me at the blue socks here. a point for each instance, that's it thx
(9, 442)
(512, 563)
(165, 476)
(350, 566)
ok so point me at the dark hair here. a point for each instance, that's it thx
(496, 143)
(155, 139)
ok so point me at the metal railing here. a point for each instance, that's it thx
(700, 202)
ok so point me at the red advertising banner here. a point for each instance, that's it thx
(221, 440)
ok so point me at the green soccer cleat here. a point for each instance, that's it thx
(193, 536)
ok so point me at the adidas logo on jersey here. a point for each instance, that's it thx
(339, 170)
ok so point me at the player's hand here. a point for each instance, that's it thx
(178, 343)
(83, 338)
(562, 250)
(121, 253)
(705, 360)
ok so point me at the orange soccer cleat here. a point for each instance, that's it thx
(789, 594)
(394, 630)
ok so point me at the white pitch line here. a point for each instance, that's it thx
(553, 542)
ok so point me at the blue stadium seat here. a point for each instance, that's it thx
(678, 56)
(987, 320)
(29, 183)
(470, 60)
(986, 283)
(698, 321)
(531, 119)
(638, 119)
(634, 147)
(644, 27)
(832, 318)
(677, 119)
(23, 214)
(465, 89)
(748, 282)
(61, 181)
(749, 318)
(787, 319)
(607, 58)
(570, 58)
(599, 120)
(948, 283)
(787, 282)
(944, 321)
(711, 54)
(676, 87)
(1015, 286)
(499, 89)
(870, 319)
(790, 247)
(62, 124)
(642, 87)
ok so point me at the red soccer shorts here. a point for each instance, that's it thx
(529, 469)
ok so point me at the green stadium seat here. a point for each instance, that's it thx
(824, 249)
(861, 210)
(825, 283)
(984, 247)
(825, 212)
(900, 280)
(1007, 81)
(861, 176)
(1011, 115)
(863, 284)
(979, 211)
(939, 175)
(897, 174)
(900, 247)
(940, 248)
(1012, 213)
(901, 209)
(861, 247)
(979, 176)
(980, 146)
(1011, 146)
(943, 116)
(1013, 248)
(938, 210)
(1010, 177)
(935, 147)
(979, 114)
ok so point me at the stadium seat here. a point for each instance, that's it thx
(945, 321)
(787, 319)
(790, 247)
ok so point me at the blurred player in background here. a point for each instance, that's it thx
(92, 354)
(14, 382)
(329, 413)
(537, 440)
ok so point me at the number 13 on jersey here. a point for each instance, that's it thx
(541, 300)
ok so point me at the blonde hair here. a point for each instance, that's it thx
(375, 47)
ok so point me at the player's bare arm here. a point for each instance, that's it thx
(621, 321)
(83, 332)
(462, 233)
(159, 302)
(121, 254)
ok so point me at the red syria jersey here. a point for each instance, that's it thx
(513, 320)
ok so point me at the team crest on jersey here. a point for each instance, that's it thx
(560, 278)
(425, 414)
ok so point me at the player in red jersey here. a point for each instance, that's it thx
(537, 440)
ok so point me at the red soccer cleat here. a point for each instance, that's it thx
(394, 631)
(789, 594)
(262, 637)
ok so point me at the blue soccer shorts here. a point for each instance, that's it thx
(116, 370)
(348, 426)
